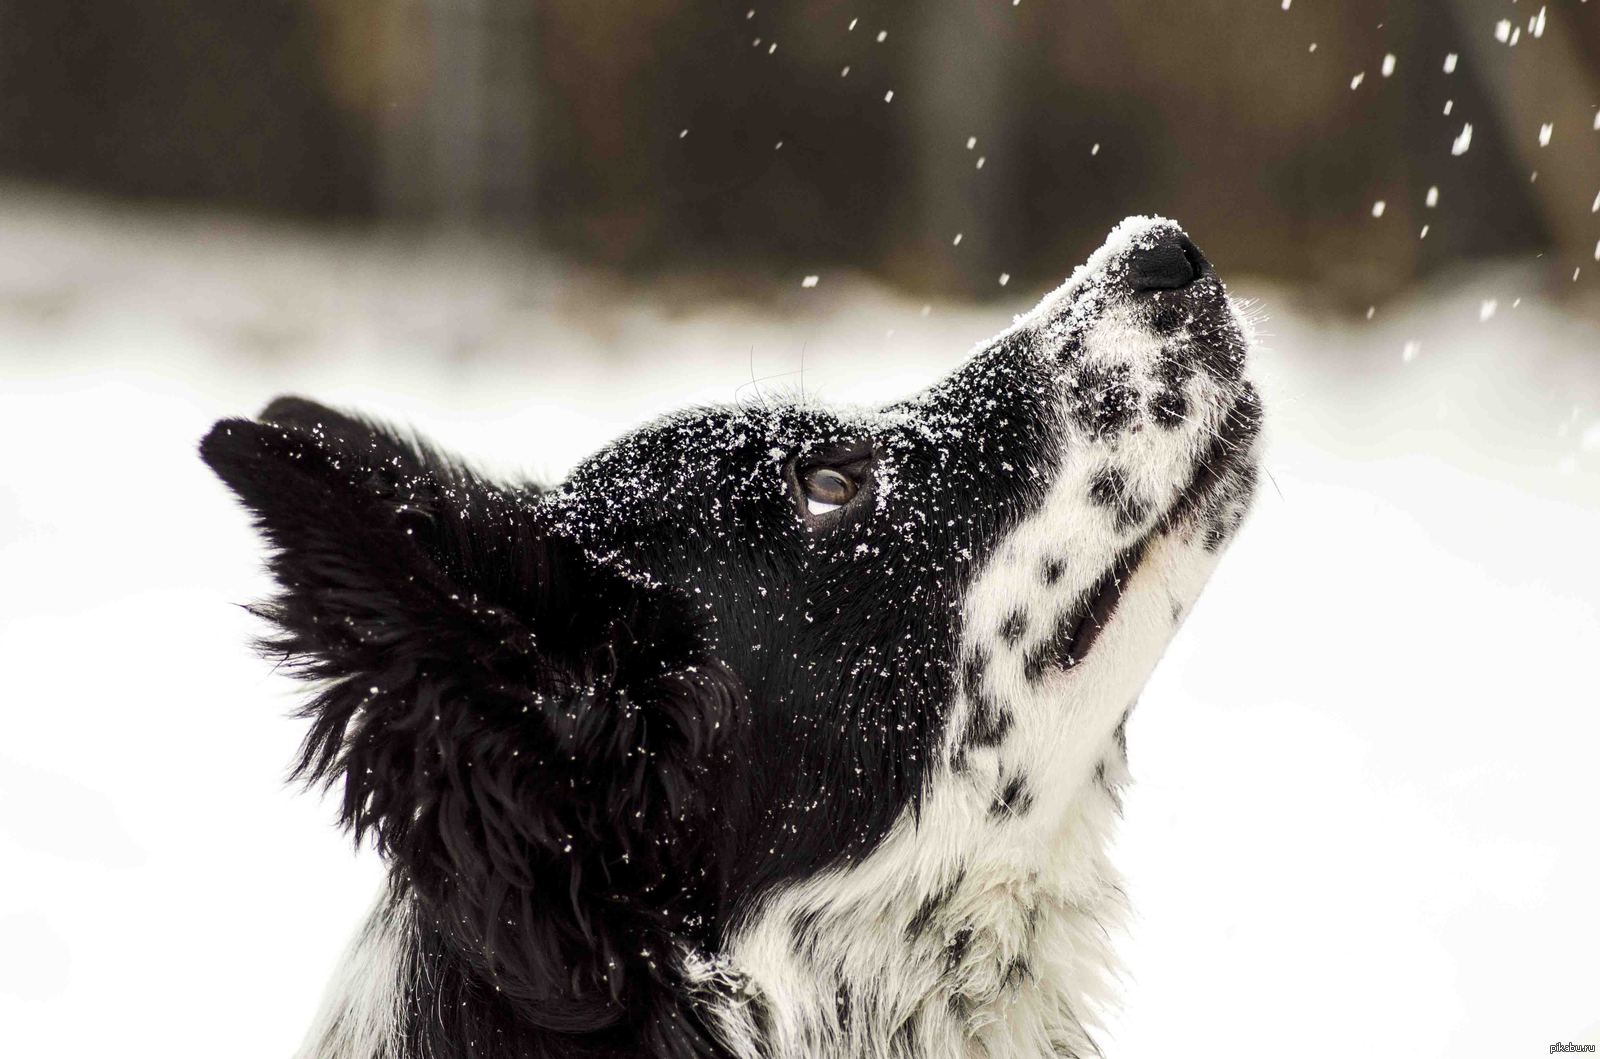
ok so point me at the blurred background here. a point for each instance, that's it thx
(1310, 143)
(1365, 814)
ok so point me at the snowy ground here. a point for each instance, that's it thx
(1365, 822)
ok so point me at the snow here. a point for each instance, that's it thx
(1365, 772)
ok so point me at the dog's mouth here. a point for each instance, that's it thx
(1077, 632)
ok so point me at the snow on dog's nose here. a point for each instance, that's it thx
(1149, 276)
(1172, 263)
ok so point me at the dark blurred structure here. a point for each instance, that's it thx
(646, 135)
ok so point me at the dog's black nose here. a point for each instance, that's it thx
(1171, 264)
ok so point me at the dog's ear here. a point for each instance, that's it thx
(524, 732)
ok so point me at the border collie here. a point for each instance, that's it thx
(774, 732)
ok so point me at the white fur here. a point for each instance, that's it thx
(362, 1008)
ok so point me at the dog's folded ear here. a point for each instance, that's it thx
(523, 731)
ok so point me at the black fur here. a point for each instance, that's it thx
(988, 722)
(935, 902)
(578, 764)
(1014, 798)
(1169, 409)
(1111, 488)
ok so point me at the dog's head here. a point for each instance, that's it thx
(591, 727)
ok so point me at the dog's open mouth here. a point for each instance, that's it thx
(1078, 630)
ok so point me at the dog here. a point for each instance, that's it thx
(774, 732)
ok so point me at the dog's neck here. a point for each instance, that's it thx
(945, 941)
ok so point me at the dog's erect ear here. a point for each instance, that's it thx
(524, 732)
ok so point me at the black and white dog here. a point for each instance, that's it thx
(774, 732)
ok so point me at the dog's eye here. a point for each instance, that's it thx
(827, 490)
